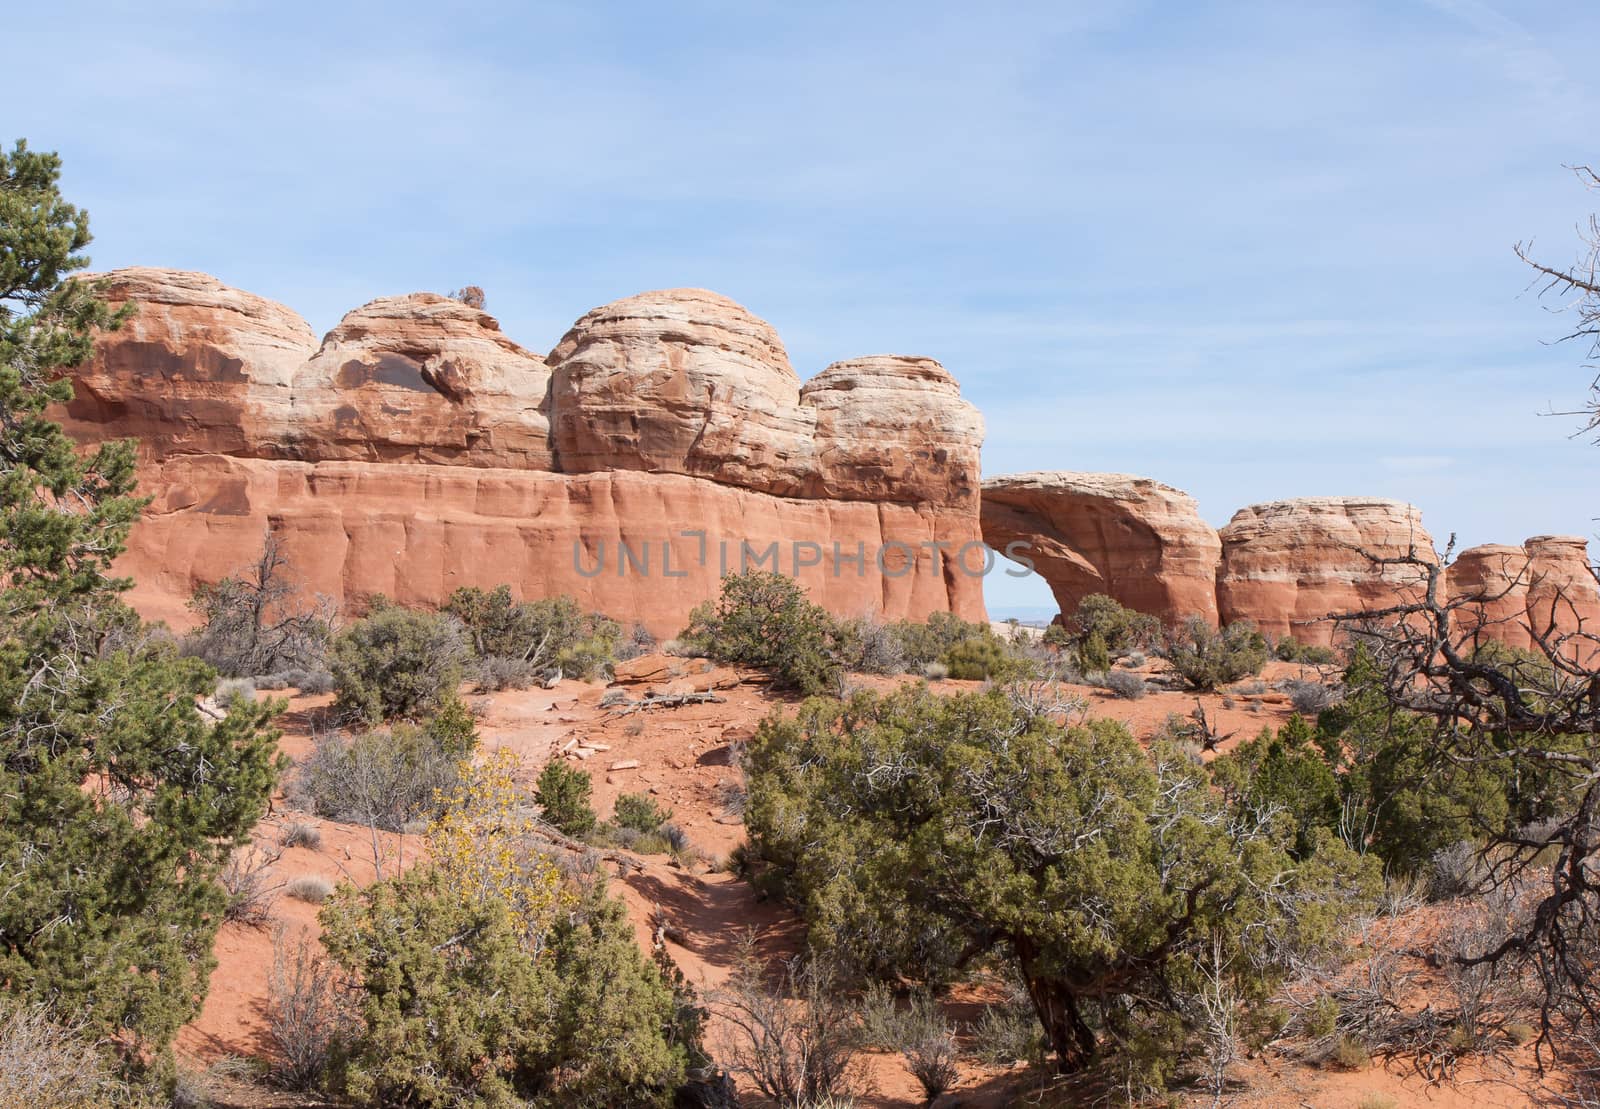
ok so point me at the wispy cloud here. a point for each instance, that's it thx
(1253, 249)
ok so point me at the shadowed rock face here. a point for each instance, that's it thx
(417, 449)
(199, 368)
(1136, 540)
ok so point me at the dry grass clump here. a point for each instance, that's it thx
(310, 888)
(298, 833)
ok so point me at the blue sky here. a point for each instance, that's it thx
(1254, 250)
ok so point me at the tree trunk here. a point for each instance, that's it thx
(1056, 1003)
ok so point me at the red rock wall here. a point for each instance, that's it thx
(418, 449)
(416, 533)
(1288, 565)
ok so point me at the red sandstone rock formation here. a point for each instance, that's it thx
(1544, 588)
(419, 449)
(422, 378)
(1493, 580)
(1288, 565)
(1563, 596)
(893, 428)
(1285, 566)
(1131, 538)
(199, 368)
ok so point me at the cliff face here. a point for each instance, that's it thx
(1285, 566)
(665, 440)
(417, 449)
(614, 540)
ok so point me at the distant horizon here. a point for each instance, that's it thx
(1254, 252)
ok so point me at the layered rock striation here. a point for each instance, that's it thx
(665, 440)
(1286, 566)
(1131, 538)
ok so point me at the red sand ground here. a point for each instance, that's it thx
(683, 757)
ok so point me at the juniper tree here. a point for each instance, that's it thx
(119, 800)
(487, 979)
(919, 833)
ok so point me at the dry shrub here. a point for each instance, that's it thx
(794, 1037)
(494, 673)
(1351, 1054)
(47, 1064)
(1126, 684)
(310, 888)
(379, 779)
(869, 646)
(305, 1017)
(230, 690)
(919, 1032)
(929, 1047)
(246, 876)
(298, 833)
(1455, 871)
(1009, 1032)
(635, 642)
(255, 621)
(1309, 698)
(1046, 699)
(1481, 990)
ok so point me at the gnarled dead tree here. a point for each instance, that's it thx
(1534, 711)
(256, 621)
(1578, 288)
(1537, 711)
